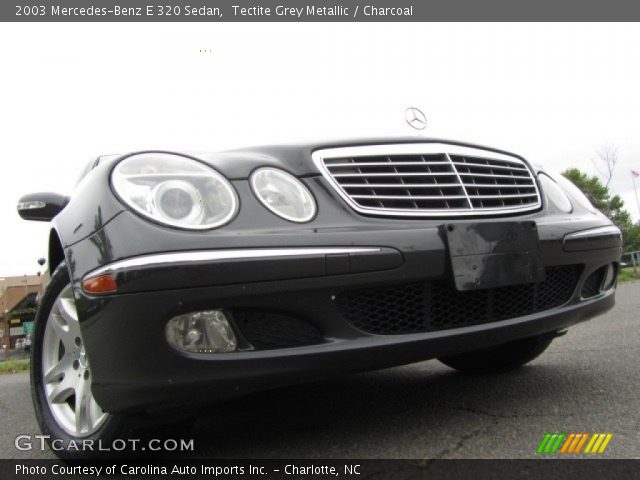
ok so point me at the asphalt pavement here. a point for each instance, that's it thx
(587, 381)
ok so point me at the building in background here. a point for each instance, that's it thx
(17, 302)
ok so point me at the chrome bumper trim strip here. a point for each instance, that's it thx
(594, 232)
(162, 259)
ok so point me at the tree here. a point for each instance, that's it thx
(611, 206)
(605, 162)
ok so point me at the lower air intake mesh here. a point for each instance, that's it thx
(425, 307)
(266, 330)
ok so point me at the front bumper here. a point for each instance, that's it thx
(133, 367)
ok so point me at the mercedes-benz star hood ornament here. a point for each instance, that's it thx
(415, 118)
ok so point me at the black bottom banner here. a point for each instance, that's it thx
(319, 469)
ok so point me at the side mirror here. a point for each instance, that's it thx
(41, 206)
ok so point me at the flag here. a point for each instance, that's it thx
(635, 174)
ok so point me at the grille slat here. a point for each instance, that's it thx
(396, 174)
(411, 185)
(505, 196)
(402, 180)
(496, 185)
(426, 307)
(481, 165)
(381, 164)
(493, 175)
(414, 197)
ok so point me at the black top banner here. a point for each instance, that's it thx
(316, 10)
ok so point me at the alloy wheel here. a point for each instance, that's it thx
(66, 371)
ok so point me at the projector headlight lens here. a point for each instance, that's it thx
(175, 191)
(283, 194)
(176, 201)
(554, 193)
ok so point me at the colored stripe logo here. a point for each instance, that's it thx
(573, 443)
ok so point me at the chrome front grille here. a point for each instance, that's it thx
(429, 180)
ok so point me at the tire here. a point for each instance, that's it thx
(501, 358)
(60, 373)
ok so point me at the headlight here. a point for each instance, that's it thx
(283, 194)
(576, 194)
(554, 193)
(175, 190)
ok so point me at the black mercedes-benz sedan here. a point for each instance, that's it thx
(180, 279)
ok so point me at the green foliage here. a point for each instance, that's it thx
(611, 206)
(14, 366)
(628, 275)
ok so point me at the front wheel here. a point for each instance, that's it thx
(61, 376)
(501, 358)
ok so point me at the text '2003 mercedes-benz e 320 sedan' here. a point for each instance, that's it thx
(180, 279)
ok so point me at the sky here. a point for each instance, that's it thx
(554, 93)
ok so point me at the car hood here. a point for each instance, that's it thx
(296, 158)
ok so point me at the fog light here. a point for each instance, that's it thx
(201, 332)
(609, 277)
